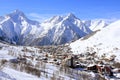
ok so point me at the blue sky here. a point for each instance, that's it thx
(83, 9)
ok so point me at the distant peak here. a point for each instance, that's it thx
(17, 15)
(17, 12)
(71, 15)
(55, 19)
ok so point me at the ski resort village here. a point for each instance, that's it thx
(61, 48)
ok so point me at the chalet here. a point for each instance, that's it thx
(93, 68)
(108, 71)
(101, 69)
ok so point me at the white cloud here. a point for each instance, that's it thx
(37, 17)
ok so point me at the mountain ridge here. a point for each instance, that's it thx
(16, 28)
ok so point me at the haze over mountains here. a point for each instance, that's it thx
(16, 28)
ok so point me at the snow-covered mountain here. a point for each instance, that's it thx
(15, 25)
(104, 42)
(97, 24)
(17, 28)
(59, 29)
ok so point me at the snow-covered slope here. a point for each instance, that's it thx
(17, 28)
(105, 42)
(33, 66)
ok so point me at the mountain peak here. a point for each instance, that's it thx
(17, 15)
(17, 11)
(71, 15)
(54, 19)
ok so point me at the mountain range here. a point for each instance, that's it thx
(16, 28)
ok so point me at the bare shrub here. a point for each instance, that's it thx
(99, 77)
(116, 65)
(37, 65)
(1, 47)
(84, 76)
(53, 77)
(14, 66)
(2, 63)
(32, 71)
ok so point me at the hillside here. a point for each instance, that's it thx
(104, 42)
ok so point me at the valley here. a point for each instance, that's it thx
(60, 48)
